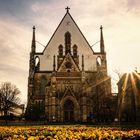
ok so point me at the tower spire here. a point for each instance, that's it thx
(33, 47)
(102, 41)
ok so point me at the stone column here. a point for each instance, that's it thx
(84, 109)
(77, 112)
(46, 108)
(58, 111)
(50, 109)
(53, 106)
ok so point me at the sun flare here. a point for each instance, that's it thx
(129, 70)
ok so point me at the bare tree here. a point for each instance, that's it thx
(9, 97)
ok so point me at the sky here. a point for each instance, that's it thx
(120, 19)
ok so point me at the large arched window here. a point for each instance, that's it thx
(67, 42)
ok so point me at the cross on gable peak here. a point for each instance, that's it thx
(67, 9)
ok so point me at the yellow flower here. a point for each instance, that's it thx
(22, 138)
(31, 138)
(93, 136)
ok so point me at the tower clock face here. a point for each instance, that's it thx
(68, 65)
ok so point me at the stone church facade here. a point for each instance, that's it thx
(68, 81)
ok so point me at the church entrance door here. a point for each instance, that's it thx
(68, 111)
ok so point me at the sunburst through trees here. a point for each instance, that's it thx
(128, 97)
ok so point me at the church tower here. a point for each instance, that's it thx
(102, 64)
(66, 78)
(31, 66)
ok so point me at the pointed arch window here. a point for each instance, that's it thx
(60, 49)
(37, 63)
(99, 61)
(75, 50)
(67, 42)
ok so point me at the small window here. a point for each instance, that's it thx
(75, 50)
(99, 62)
(60, 50)
(36, 60)
(37, 63)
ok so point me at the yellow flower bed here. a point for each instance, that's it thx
(67, 133)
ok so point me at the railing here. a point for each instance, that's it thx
(68, 74)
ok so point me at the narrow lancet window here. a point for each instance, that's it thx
(67, 43)
(99, 61)
(60, 50)
(37, 63)
(75, 50)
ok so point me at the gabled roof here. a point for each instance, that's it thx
(68, 92)
(68, 14)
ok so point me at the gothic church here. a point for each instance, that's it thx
(68, 80)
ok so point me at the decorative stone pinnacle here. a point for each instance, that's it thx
(101, 27)
(33, 27)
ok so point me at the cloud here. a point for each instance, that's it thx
(15, 42)
(13, 39)
(134, 6)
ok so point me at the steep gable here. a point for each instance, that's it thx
(66, 22)
(67, 25)
(68, 92)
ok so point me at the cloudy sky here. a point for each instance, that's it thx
(120, 19)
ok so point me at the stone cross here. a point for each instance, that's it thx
(67, 8)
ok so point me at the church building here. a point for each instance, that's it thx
(68, 81)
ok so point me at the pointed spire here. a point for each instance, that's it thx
(33, 41)
(102, 40)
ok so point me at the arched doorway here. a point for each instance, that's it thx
(68, 111)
